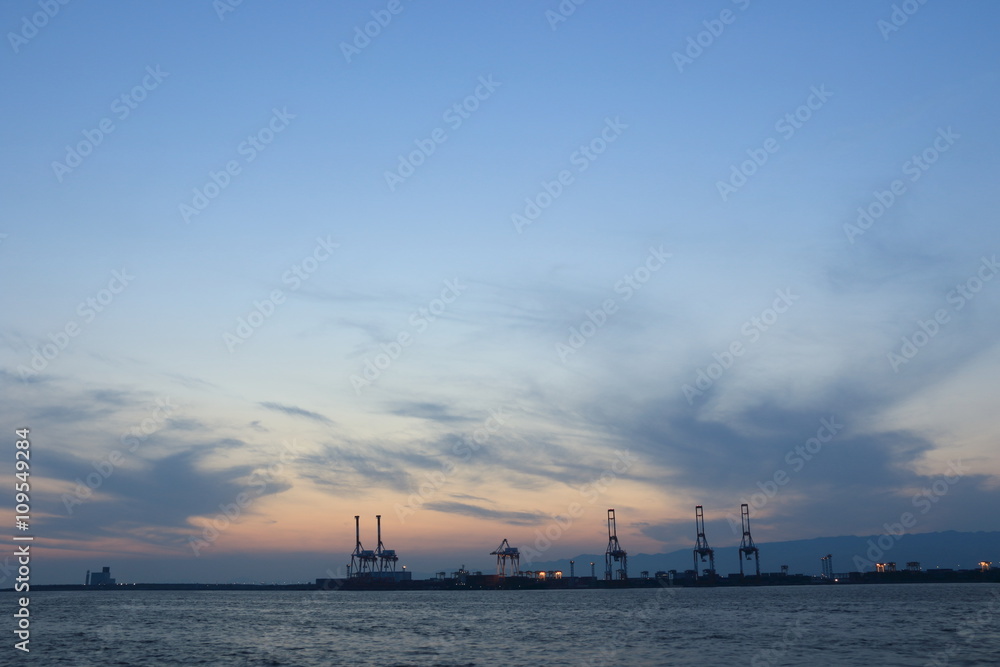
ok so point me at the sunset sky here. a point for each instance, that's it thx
(490, 264)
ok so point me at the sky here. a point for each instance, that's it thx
(488, 270)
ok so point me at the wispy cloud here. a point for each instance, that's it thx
(477, 512)
(438, 412)
(296, 412)
(153, 501)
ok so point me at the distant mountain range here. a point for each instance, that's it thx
(948, 549)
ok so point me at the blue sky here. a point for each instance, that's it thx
(586, 327)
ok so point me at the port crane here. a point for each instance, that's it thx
(614, 553)
(748, 549)
(701, 548)
(506, 553)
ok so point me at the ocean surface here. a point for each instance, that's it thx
(908, 624)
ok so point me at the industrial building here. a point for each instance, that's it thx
(102, 578)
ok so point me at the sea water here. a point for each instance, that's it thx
(906, 624)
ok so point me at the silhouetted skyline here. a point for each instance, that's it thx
(489, 270)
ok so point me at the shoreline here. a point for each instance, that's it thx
(492, 582)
